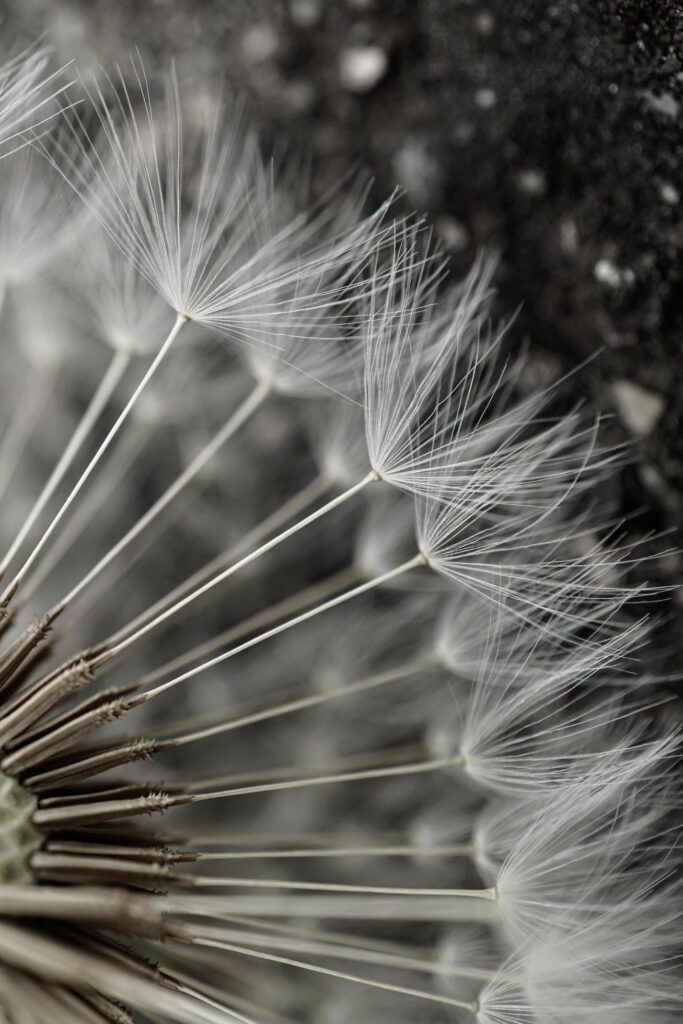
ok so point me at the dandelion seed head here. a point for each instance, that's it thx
(320, 695)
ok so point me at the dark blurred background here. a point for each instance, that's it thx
(550, 132)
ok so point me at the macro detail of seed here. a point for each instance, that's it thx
(324, 687)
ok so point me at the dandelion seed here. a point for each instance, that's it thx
(233, 263)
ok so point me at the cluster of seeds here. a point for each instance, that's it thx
(291, 556)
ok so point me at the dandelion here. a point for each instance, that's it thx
(307, 581)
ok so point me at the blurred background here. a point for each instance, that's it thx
(548, 132)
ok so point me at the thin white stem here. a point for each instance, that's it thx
(367, 907)
(314, 933)
(414, 957)
(394, 771)
(190, 955)
(303, 703)
(413, 850)
(316, 488)
(85, 475)
(334, 602)
(341, 975)
(377, 890)
(325, 946)
(374, 759)
(96, 406)
(321, 840)
(200, 997)
(247, 560)
(239, 417)
(263, 618)
(129, 447)
(118, 466)
(102, 588)
(234, 968)
(182, 1003)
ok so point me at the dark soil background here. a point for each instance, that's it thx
(550, 132)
